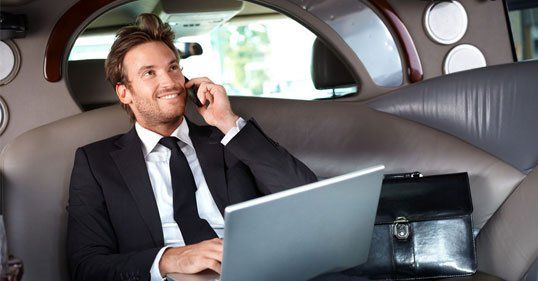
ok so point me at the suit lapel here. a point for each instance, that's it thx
(132, 166)
(210, 153)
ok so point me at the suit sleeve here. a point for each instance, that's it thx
(92, 249)
(273, 167)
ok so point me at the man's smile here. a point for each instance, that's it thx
(169, 96)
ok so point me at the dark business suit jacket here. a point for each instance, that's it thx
(114, 229)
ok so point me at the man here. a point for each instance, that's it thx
(151, 201)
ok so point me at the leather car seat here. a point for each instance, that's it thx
(36, 169)
(506, 237)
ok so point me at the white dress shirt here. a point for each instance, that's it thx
(157, 159)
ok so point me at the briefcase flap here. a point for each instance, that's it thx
(424, 198)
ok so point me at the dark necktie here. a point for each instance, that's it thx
(193, 228)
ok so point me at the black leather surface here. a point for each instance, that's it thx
(423, 230)
(426, 198)
(344, 276)
(479, 276)
(432, 246)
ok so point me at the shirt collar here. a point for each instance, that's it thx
(151, 139)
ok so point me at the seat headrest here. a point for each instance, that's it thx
(86, 79)
(327, 70)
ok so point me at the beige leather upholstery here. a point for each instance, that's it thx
(331, 137)
(508, 244)
(338, 137)
(36, 169)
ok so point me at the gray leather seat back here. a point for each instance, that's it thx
(493, 108)
(357, 136)
(36, 169)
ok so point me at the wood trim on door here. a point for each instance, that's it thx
(412, 59)
(78, 13)
(62, 32)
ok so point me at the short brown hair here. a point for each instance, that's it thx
(147, 28)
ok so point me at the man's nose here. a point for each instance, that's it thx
(167, 79)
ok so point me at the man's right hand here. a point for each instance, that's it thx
(192, 258)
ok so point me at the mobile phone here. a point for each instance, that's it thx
(191, 92)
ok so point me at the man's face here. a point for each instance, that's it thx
(155, 89)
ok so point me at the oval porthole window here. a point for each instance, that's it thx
(4, 115)
(10, 63)
(463, 57)
(445, 21)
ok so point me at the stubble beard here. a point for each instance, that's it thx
(153, 115)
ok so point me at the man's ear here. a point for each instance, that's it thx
(124, 95)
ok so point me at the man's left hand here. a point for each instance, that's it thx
(218, 112)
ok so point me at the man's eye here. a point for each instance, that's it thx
(148, 73)
(174, 67)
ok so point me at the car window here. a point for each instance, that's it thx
(270, 55)
(367, 35)
(524, 24)
(92, 46)
(266, 57)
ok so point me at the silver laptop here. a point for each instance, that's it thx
(300, 233)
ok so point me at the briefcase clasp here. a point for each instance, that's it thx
(401, 228)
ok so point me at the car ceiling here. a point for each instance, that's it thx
(126, 14)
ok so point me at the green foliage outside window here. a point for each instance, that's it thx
(245, 50)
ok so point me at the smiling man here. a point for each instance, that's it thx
(151, 201)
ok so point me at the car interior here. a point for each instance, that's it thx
(368, 83)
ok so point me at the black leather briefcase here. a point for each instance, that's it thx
(423, 229)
